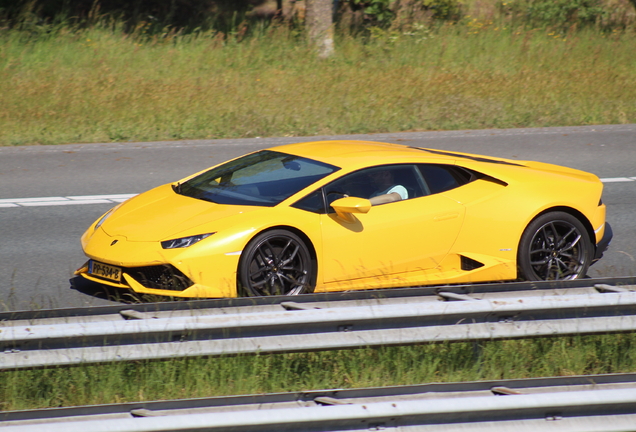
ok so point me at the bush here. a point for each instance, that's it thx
(554, 13)
(405, 12)
(177, 14)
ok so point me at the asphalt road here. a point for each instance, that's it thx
(40, 247)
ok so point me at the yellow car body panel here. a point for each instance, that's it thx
(423, 240)
(380, 243)
(212, 264)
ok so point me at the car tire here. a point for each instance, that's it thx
(555, 246)
(276, 262)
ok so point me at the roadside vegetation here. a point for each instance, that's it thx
(64, 82)
(370, 367)
(460, 65)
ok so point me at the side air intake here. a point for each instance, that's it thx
(470, 264)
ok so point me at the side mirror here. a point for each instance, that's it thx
(344, 207)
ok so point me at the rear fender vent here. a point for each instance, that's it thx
(470, 264)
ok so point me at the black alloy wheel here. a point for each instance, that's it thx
(555, 246)
(276, 262)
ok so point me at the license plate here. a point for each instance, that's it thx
(105, 271)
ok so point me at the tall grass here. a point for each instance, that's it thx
(200, 377)
(101, 85)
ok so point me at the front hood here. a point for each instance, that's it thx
(161, 214)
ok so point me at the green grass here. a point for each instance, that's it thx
(200, 377)
(101, 85)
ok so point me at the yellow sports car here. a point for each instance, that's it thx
(344, 215)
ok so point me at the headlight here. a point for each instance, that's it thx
(184, 242)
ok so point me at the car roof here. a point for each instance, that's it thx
(351, 155)
(366, 153)
(345, 152)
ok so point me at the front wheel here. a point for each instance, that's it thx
(555, 246)
(275, 262)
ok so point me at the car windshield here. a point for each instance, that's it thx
(264, 178)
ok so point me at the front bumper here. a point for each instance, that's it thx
(170, 289)
(159, 277)
(203, 270)
(602, 245)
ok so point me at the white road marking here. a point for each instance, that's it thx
(110, 199)
(618, 179)
(67, 200)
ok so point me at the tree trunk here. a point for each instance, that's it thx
(319, 25)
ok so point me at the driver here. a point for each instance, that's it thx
(386, 189)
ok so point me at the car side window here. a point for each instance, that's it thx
(441, 178)
(375, 181)
(314, 202)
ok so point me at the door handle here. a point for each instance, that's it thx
(446, 216)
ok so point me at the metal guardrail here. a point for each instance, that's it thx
(585, 403)
(292, 326)
(82, 284)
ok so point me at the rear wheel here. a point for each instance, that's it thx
(555, 246)
(276, 262)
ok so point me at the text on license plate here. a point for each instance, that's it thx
(105, 271)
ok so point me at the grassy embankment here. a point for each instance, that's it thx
(100, 85)
(185, 378)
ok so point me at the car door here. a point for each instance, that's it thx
(396, 238)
